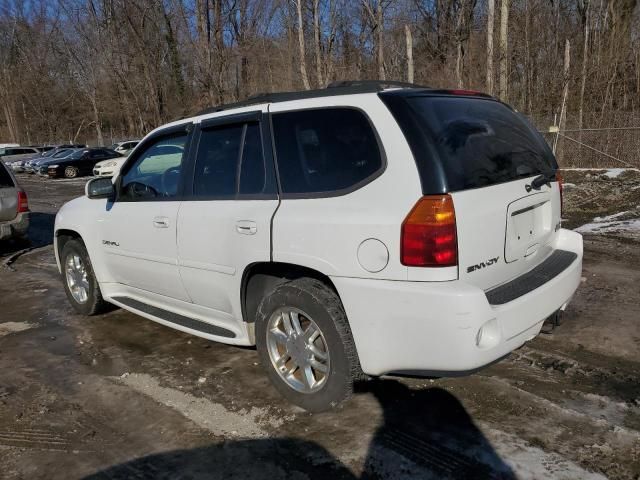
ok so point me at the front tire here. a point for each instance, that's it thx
(70, 172)
(80, 283)
(305, 344)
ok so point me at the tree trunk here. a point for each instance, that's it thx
(380, 26)
(490, 22)
(409, 42)
(583, 73)
(303, 62)
(565, 95)
(504, 46)
(316, 38)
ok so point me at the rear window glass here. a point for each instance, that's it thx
(481, 142)
(5, 178)
(324, 150)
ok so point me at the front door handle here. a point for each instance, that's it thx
(246, 227)
(161, 222)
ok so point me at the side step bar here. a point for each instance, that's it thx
(175, 318)
(553, 266)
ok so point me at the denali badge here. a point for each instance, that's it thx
(110, 244)
(478, 266)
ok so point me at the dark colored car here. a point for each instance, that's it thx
(80, 163)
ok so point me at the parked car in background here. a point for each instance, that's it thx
(124, 148)
(14, 206)
(79, 163)
(109, 168)
(31, 166)
(4, 145)
(10, 154)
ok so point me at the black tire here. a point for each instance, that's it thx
(323, 305)
(94, 303)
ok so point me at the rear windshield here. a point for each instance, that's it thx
(5, 178)
(480, 142)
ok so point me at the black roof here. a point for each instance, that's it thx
(333, 89)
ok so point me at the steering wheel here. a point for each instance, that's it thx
(169, 181)
(141, 190)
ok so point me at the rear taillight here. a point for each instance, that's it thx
(559, 180)
(428, 237)
(23, 202)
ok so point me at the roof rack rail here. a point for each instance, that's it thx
(333, 89)
(379, 84)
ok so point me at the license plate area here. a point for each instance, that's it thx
(528, 226)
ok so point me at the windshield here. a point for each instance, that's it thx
(76, 155)
(481, 142)
(61, 153)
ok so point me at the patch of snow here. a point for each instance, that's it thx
(530, 462)
(14, 327)
(616, 226)
(608, 218)
(615, 172)
(209, 415)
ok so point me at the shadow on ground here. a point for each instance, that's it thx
(40, 234)
(424, 434)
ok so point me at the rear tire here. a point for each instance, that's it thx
(332, 355)
(80, 283)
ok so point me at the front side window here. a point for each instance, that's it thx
(157, 170)
(230, 162)
(325, 150)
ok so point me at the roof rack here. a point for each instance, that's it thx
(377, 84)
(348, 87)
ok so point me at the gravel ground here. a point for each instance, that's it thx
(118, 396)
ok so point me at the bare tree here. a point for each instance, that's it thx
(301, 48)
(504, 48)
(490, 23)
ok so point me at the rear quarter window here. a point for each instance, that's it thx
(324, 152)
(5, 179)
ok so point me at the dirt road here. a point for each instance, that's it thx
(118, 396)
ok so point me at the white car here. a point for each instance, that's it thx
(361, 230)
(125, 148)
(108, 168)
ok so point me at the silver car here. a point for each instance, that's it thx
(14, 207)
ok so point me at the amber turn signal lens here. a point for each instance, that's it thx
(428, 237)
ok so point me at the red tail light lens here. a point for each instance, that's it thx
(559, 180)
(428, 237)
(23, 202)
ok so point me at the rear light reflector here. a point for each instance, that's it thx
(559, 180)
(23, 202)
(428, 237)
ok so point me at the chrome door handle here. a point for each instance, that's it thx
(161, 222)
(246, 227)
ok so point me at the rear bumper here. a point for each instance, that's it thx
(15, 228)
(432, 328)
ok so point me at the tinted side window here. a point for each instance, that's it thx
(156, 171)
(230, 163)
(324, 150)
(217, 161)
(5, 178)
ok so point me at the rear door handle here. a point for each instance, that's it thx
(246, 227)
(161, 222)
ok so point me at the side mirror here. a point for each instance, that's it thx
(100, 188)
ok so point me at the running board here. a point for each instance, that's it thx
(175, 318)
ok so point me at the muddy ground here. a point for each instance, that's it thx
(118, 396)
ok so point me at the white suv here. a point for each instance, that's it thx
(354, 231)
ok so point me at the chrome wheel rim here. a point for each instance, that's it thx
(77, 278)
(298, 350)
(70, 172)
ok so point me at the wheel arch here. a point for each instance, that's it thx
(60, 238)
(262, 277)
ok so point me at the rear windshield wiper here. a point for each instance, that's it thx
(543, 179)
